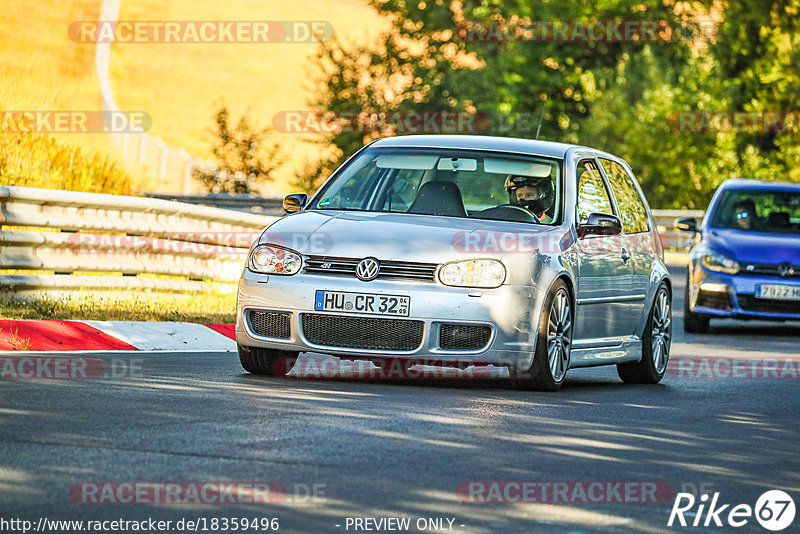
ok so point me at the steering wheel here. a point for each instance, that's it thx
(509, 212)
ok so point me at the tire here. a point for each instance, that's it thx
(656, 343)
(693, 323)
(268, 362)
(553, 344)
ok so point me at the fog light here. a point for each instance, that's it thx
(713, 287)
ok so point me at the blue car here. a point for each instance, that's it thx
(745, 262)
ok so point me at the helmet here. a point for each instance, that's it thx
(535, 193)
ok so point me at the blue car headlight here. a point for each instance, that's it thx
(716, 261)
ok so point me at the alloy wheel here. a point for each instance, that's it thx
(559, 335)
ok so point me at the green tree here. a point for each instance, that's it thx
(621, 96)
(244, 156)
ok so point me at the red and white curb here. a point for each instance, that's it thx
(23, 335)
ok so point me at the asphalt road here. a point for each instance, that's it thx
(401, 449)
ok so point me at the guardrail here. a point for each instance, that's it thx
(230, 201)
(671, 238)
(63, 232)
(64, 240)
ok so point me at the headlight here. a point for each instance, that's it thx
(719, 262)
(473, 273)
(269, 259)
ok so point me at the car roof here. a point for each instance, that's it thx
(479, 142)
(745, 183)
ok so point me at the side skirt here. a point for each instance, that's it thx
(605, 351)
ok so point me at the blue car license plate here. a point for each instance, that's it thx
(777, 292)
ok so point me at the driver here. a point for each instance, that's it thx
(744, 214)
(532, 193)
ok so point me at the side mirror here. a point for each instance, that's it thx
(686, 224)
(600, 224)
(294, 202)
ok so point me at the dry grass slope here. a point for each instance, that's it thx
(179, 85)
(183, 85)
(41, 69)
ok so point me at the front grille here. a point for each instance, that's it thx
(714, 299)
(766, 269)
(389, 269)
(362, 332)
(271, 324)
(750, 303)
(464, 336)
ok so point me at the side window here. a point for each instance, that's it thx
(592, 194)
(632, 211)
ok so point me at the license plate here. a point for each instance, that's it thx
(777, 292)
(366, 303)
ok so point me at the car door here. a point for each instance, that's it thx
(638, 241)
(604, 276)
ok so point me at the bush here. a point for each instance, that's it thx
(242, 159)
(40, 160)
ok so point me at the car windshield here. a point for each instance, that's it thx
(451, 183)
(759, 211)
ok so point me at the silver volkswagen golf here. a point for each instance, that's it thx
(464, 250)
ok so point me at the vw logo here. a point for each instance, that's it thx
(368, 269)
(785, 270)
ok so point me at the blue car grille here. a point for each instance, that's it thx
(750, 303)
(767, 269)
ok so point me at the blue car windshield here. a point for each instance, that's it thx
(450, 183)
(759, 210)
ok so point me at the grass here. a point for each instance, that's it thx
(13, 338)
(41, 69)
(209, 307)
(40, 160)
(183, 85)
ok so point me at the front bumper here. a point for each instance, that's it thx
(737, 300)
(511, 311)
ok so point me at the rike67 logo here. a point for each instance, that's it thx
(774, 510)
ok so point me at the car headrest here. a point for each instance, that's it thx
(438, 197)
(779, 219)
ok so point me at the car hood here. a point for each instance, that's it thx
(403, 237)
(755, 247)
